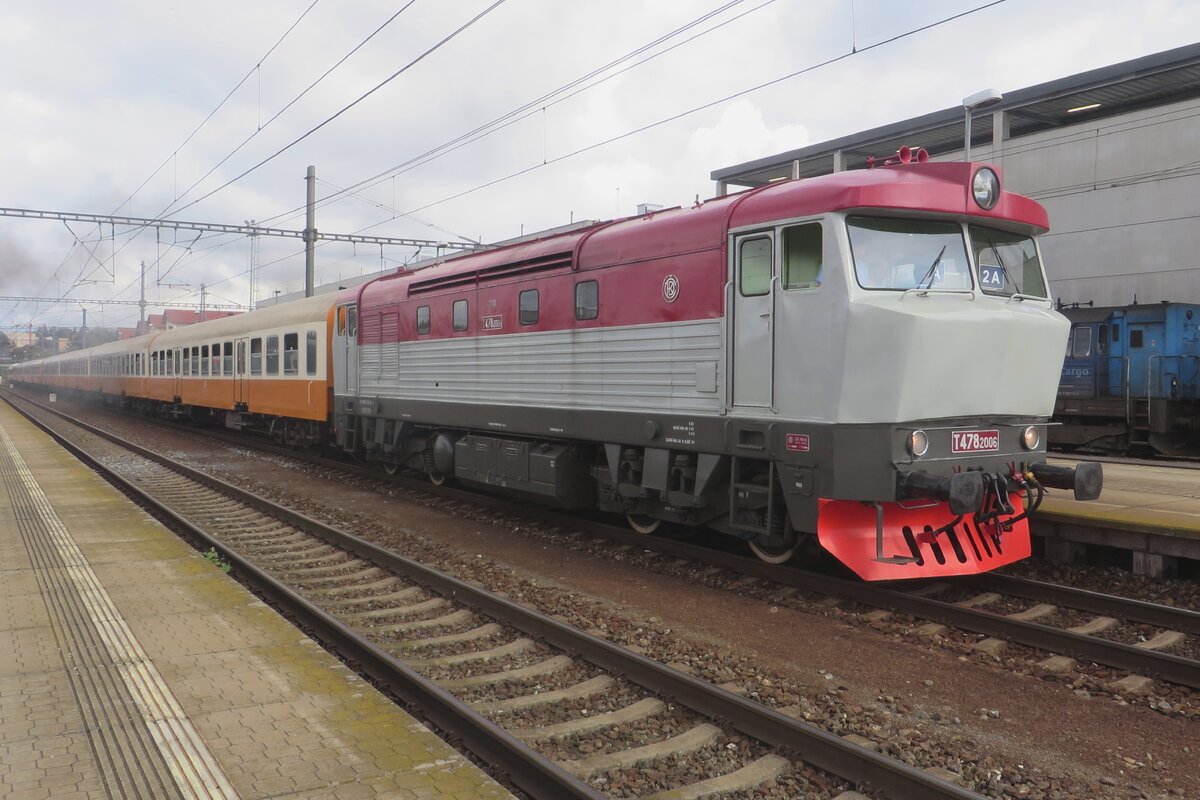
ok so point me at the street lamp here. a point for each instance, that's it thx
(988, 97)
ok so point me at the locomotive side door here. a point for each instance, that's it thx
(753, 351)
(1145, 349)
(177, 381)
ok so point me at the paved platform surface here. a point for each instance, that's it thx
(1152, 499)
(132, 667)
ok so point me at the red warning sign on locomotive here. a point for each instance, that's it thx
(975, 442)
(798, 442)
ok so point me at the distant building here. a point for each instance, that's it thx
(22, 339)
(170, 319)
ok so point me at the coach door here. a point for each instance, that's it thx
(753, 351)
(345, 344)
(177, 381)
(241, 388)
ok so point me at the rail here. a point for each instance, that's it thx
(540, 778)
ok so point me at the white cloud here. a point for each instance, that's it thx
(107, 92)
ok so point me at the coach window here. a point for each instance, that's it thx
(528, 305)
(310, 354)
(291, 354)
(256, 356)
(587, 300)
(460, 315)
(187, 361)
(422, 320)
(196, 360)
(802, 247)
(153, 364)
(272, 355)
(341, 321)
(204, 362)
(216, 358)
(754, 277)
(227, 358)
(1081, 342)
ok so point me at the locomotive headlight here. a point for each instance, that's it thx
(985, 186)
(1031, 438)
(918, 443)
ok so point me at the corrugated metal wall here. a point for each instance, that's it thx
(634, 367)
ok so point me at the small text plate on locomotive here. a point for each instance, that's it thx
(975, 441)
(797, 441)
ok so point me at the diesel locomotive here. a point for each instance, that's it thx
(1131, 380)
(864, 361)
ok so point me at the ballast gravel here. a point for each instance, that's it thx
(923, 724)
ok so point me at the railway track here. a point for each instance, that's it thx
(1091, 623)
(1080, 637)
(563, 713)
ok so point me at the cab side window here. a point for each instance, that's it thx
(1081, 342)
(754, 267)
(802, 248)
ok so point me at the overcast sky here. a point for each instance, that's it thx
(104, 105)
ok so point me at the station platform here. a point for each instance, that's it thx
(132, 667)
(1152, 511)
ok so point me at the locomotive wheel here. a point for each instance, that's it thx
(778, 554)
(436, 478)
(391, 469)
(642, 523)
(1175, 444)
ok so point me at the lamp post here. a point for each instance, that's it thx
(988, 97)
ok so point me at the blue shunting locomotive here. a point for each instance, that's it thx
(1131, 379)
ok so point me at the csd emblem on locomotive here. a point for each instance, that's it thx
(975, 442)
(671, 288)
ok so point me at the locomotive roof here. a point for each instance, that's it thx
(1097, 314)
(923, 188)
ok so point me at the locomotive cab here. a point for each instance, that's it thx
(917, 368)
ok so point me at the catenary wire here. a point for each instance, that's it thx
(345, 108)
